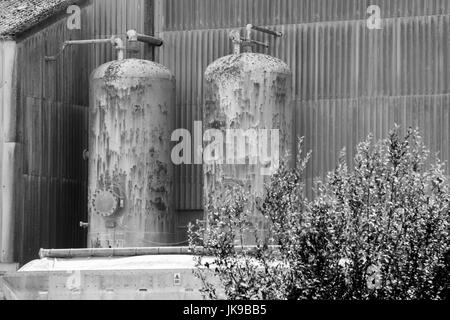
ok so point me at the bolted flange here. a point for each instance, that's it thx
(104, 202)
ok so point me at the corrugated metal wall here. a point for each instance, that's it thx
(54, 99)
(348, 80)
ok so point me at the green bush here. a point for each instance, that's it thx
(378, 231)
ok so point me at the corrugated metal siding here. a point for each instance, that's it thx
(348, 80)
(53, 100)
(218, 14)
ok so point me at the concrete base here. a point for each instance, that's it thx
(8, 267)
(4, 269)
(158, 277)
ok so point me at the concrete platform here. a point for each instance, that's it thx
(8, 267)
(4, 269)
(152, 277)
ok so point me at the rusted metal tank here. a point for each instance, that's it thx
(247, 91)
(130, 170)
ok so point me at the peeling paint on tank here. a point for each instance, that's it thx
(131, 116)
(246, 91)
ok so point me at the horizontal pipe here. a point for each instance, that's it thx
(150, 40)
(131, 252)
(90, 41)
(115, 41)
(265, 30)
(132, 35)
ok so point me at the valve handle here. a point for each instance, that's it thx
(132, 35)
(251, 27)
(237, 40)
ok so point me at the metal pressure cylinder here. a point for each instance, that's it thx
(130, 169)
(247, 100)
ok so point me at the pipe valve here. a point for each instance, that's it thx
(84, 225)
(247, 41)
(251, 27)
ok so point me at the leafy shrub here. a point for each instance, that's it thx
(378, 231)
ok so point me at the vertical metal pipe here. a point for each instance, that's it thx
(10, 170)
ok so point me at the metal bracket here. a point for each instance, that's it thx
(115, 41)
(251, 27)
